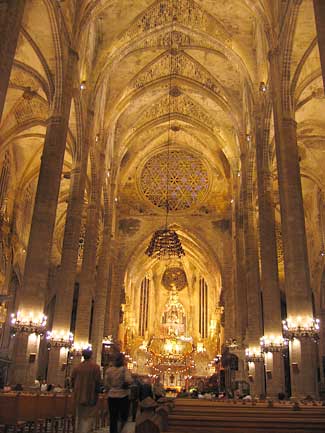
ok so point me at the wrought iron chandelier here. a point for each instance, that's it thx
(165, 243)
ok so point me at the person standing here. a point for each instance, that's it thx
(85, 380)
(134, 396)
(117, 380)
(158, 390)
(145, 389)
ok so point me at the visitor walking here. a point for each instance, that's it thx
(85, 380)
(117, 380)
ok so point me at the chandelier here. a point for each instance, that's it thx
(165, 243)
(28, 324)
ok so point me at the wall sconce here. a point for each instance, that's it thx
(263, 87)
(83, 85)
(32, 358)
(295, 367)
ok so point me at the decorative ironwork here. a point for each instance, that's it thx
(30, 324)
(165, 244)
(187, 180)
(297, 327)
(59, 339)
(172, 348)
(254, 354)
(78, 348)
(273, 344)
(231, 343)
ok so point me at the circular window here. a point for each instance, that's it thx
(174, 277)
(187, 180)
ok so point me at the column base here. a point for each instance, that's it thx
(25, 359)
(274, 374)
(303, 368)
(58, 368)
(256, 379)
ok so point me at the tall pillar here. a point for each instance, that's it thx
(32, 296)
(11, 15)
(88, 269)
(241, 316)
(297, 281)
(115, 293)
(102, 279)
(273, 341)
(69, 259)
(254, 320)
(319, 8)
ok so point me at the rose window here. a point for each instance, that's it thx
(187, 180)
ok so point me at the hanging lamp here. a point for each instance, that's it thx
(165, 243)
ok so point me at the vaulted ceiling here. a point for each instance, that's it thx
(180, 71)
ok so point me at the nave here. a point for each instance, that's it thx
(162, 194)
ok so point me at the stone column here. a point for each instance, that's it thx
(319, 8)
(297, 281)
(69, 258)
(254, 320)
(269, 267)
(32, 296)
(241, 283)
(115, 292)
(88, 269)
(102, 279)
(241, 312)
(11, 15)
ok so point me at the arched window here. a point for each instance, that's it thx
(203, 308)
(27, 211)
(4, 182)
(144, 306)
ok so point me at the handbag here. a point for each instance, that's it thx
(125, 385)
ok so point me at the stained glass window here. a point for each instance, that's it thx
(187, 180)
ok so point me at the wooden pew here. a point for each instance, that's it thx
(8, 413)
(222, 417)
(34, 411)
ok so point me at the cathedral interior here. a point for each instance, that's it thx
(162, 190)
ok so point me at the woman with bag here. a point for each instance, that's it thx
(117, 381)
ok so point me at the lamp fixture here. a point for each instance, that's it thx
(273, 343)
(165, 243)
(78, 348)
(254, 354)
(298, 327)
(59, 339)
(28, 324)
(263, 87)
